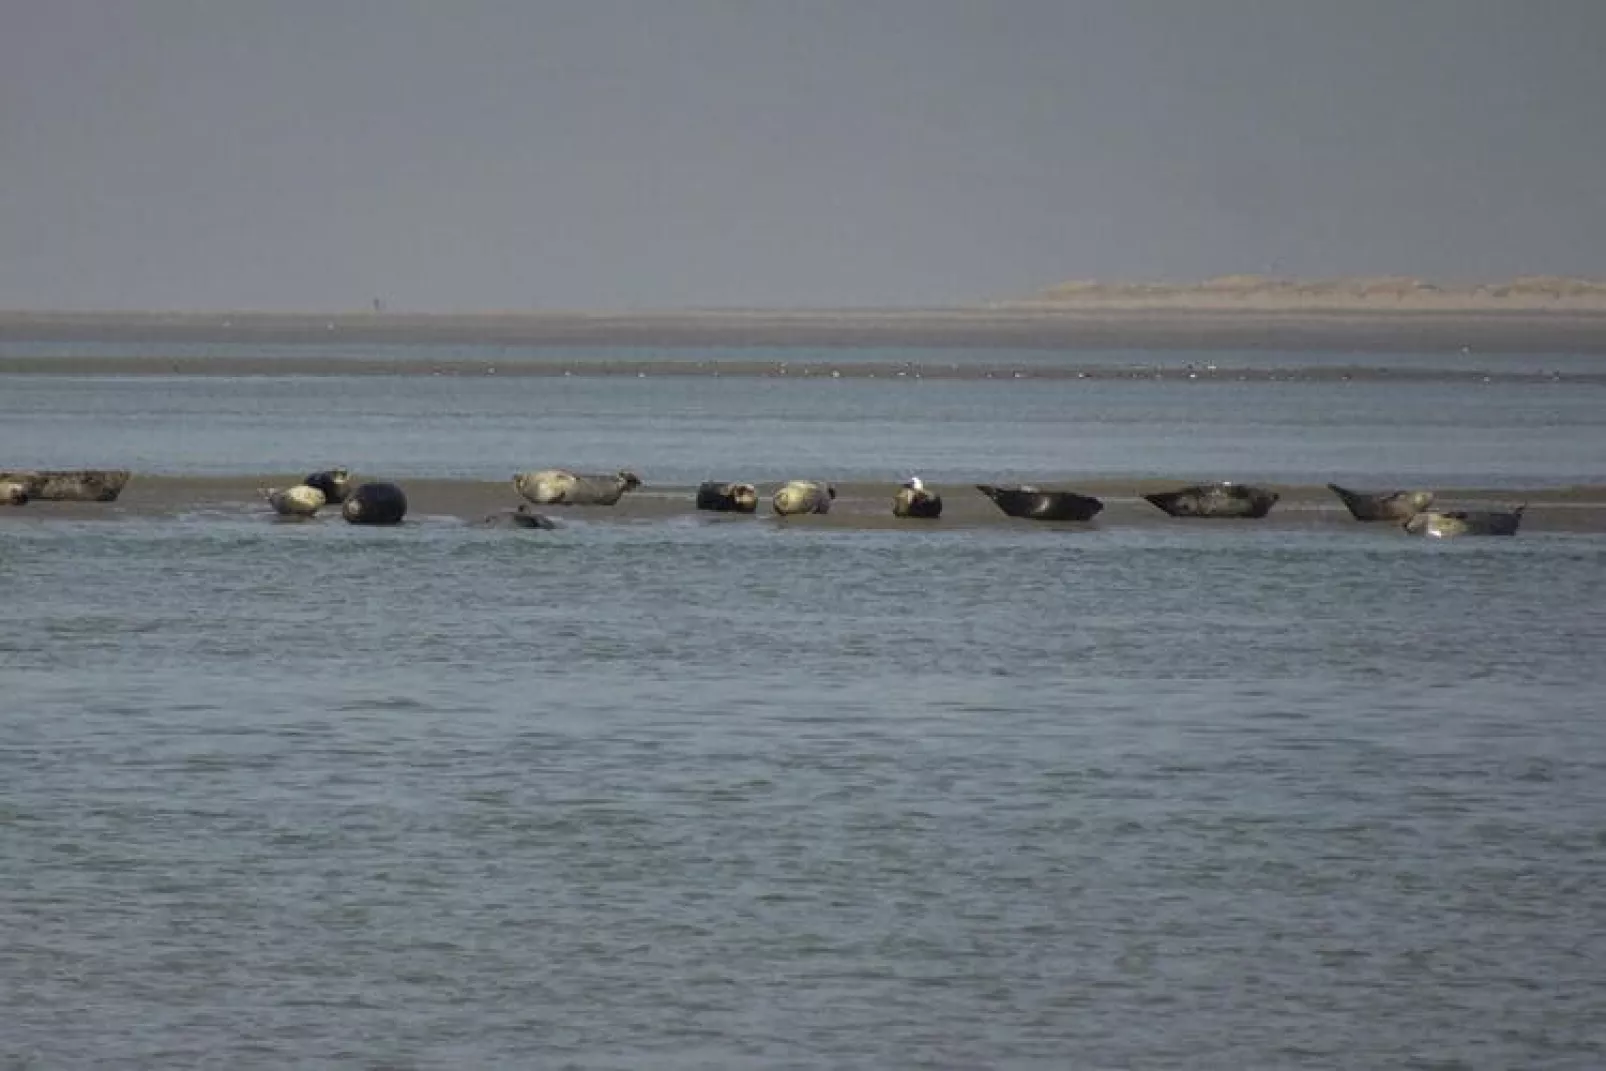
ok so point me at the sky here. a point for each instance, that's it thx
(614, 155)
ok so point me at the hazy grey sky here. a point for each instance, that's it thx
(604, 154)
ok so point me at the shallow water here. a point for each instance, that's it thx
(720, 792)
(679, 430)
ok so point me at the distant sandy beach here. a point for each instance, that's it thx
(858, 505)
(1098, 319)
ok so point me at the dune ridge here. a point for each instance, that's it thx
(1381, 293)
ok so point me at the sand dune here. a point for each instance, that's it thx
(1383, 293)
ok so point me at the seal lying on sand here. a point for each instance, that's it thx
(1383, 505)
(727, 497)
(913, 500)
(1442, 524)
(301, 500)
(82, 485)
(13, 493)
(523, 517)
(1216, 500)
(803, 496)
(375, 503)
(335, 484)
(555, 487)
(1033, 504)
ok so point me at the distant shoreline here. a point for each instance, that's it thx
(1042, 327)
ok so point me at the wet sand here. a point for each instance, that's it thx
(1371, 330)
(858, 505)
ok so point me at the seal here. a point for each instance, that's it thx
(727, 497)
(13, 493)
(335, 484)
(1034, 504)
(803, 496)
(80, 485)
(1383, 505)
(1445, 524)
(557, 487)
(302, 500)
(523, 517)
(913, 500)
(375, 503)
(1216, 500)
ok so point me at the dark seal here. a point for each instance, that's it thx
(727, 497)
(1038, 505)
(1216, 500)
(375, 503)
(334, 483)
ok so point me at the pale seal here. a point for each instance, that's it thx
(13, 493)
(301, 500)
(80, 485)
(557, 487)
(1444, 524)
(803, 496)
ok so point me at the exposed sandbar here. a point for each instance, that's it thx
(858, 505)
(1085, 325)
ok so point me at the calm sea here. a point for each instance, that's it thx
(683, 794)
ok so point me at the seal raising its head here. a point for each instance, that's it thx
(803, 496)
(301, 500)
(375, 503)
(557, 487)
(1444, 524)
(727, 497)
(1383, 505)
(334, 483)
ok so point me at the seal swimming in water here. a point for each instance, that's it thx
(81, 485)
(335, 484)
(1383, 505)
(522, 517)
(1443, 524)
(1230, 500)
(375, 503)
(727, 497)
(803, 496)
(13, 493)
(913, 500)
(301, 500)
(556, 487)
(1033, 504)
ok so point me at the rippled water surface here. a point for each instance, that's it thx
(697, 793)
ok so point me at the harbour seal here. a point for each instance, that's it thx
(727, 497)
(913, 500)
(1038, 505)
(557, 487)
(803, 496)
(13, 493)
(302, 500)
(1383, 505)
(79, 485)
(1216, 500)
(1444, 524)
(375, 503)
(522, 517)
(335, 484)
